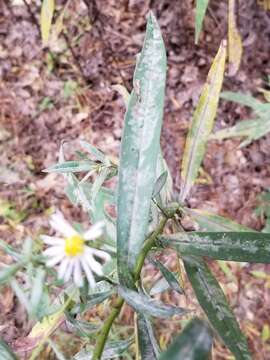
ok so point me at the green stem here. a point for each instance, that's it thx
(100, 344)
(106, 329)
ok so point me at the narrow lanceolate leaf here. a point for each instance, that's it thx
(149, 306)
(47, 10)
(201, 6)
(202, 123)
(216, 307)
(93, 151)
(148, 346)
(71, 166)
(235, 47)
(139, 149)
(5, 352)
(242, 99)
(250, 129)
(211, 222)
(232, 246)
(193, 343)
(169, 276)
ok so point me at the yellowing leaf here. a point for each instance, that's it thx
(264, 3)
(266, 94)
(235, 48)
(202, 123)
(123, 92)
(47, 10)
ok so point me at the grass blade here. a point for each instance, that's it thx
(242, 99)
(216, 307)
(201, 6)
(202, 123)
(139, 149)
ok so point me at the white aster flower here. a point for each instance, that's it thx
(71, 252)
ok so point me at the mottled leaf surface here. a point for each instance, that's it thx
(139, 149)
(149, 306)
(216, 307)
(232, 246)
(147, 343)
(193, 343)
(169, 276)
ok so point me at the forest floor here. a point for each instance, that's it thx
(66, 94)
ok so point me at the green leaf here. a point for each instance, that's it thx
(37, 290)
(5, 352)
(82, 328)
(149, 306)
(96, 153)
(242, 99)
(160, 182)
(139, 150)
(251, 129)
(251, 247)
(10, 249)
(7, 273)
(113, 349)
(148, 346)
(160, 286)
(193, 343)
(165, 194)
(201, 6)
(92, 300)
(216, 307)
(46, 16)
(169, 276)
(71, 166)
(211, 222)
(202, 123)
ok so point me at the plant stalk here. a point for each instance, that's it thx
(100, 344)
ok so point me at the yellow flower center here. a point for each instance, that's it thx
(74, 245)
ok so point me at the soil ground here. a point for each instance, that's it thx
(66, 94)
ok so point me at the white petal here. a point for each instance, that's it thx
(54, 260)
(62, 268)
(101, 254)
(59, 223)
(94, 265)
(88, 272)
(77, 274)
(69, 270)
(52, 240)
(95, 231)
(54, 251)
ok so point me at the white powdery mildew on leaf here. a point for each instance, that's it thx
(140, 144)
